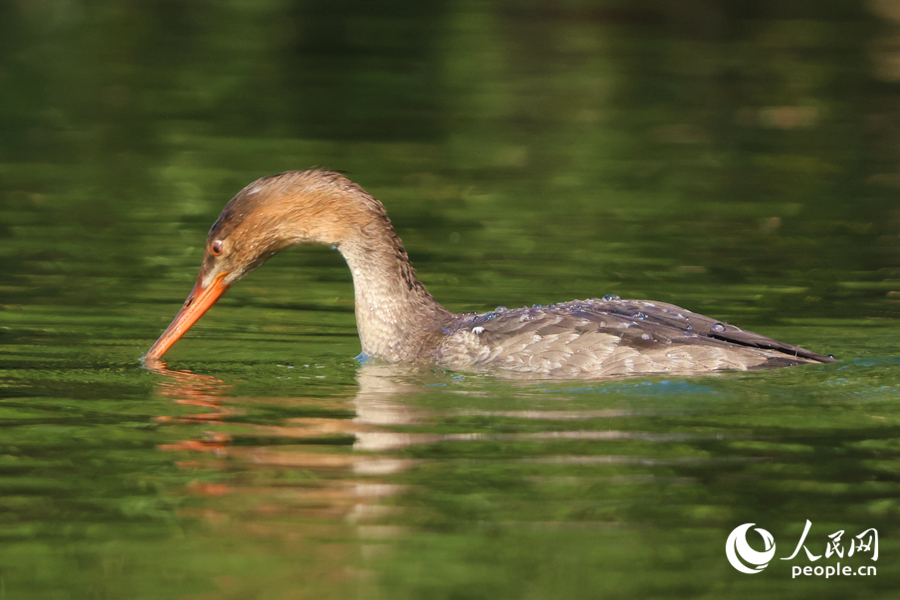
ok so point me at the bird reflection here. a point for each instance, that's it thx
(310, 467)
(338, 471)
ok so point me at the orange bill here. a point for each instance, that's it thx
(198, 302)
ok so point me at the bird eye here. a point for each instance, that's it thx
(216, 247)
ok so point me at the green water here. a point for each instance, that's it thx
(738, 160)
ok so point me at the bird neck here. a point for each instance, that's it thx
(395, 314)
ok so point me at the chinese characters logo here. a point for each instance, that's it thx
(747, 560)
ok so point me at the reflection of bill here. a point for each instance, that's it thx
(739, 551)
(187, 388)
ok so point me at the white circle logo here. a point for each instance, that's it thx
(737, 546)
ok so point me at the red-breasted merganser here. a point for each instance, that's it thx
(399, 321)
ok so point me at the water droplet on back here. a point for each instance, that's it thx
(638, 315)
(718, 327)
(611, 297)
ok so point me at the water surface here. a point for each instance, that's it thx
(740, 162)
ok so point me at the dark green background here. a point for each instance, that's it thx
(736, 158)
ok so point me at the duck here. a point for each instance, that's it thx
(399, 321)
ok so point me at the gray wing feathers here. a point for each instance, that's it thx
(609, 337)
